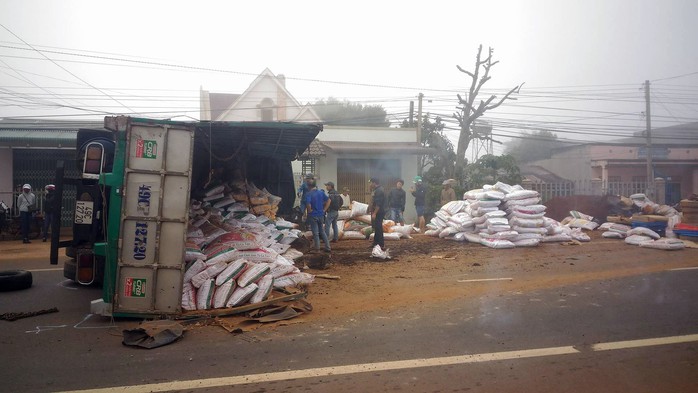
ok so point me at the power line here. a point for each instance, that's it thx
(65, 69)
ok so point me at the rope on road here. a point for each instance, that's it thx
(13, 316)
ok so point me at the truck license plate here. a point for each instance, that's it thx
(83, 212)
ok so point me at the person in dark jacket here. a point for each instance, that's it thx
(317, 203)
(332, 211)
(378, 210)
(396, 203)
(49, 208)
(420, 193)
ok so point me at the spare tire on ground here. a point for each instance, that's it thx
(14, 280)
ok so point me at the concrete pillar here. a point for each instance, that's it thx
(694, 188)
(659, 190)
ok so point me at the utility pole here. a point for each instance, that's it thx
(419, 118)
(411, 113)
(648, 123)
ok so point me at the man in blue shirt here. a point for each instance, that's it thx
(317, 203)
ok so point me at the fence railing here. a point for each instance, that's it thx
(548, 191)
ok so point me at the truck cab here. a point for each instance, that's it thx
(94, 156)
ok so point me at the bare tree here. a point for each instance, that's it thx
(468, 112)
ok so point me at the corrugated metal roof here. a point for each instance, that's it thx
(45, 138)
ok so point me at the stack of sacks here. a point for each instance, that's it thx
(233, 243)
(614, 231)
(580, 220)
(222, 282)
(355, 224)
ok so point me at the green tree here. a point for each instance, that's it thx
(469, 111)
(537, 145)
(346, 113)
(490, 169)
(441, 163)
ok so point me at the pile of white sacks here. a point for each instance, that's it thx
(500, 216)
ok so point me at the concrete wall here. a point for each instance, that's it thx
(6, 175)
(605, 152)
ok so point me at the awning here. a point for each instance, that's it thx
(279, 140)
(49, 139)
(378, 147)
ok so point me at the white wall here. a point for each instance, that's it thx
(367, 134)
(246, 107)
(6, 171)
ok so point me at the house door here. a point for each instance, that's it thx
(673, 193)
(355, 173)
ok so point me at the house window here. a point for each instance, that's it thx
(266, 108)
(308, 166)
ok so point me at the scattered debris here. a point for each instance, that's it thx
(153, 334)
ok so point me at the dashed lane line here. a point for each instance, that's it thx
(386, 366)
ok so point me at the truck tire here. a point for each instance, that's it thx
(14, 280)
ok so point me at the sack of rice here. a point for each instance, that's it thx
(498, 244)
(643, 231)
(613, 235)
(503, 187)
(188, 297)
(192, 269)
(223, 293)
(526, 223)
(209, 274)
(259, 255)
(562, 237)
(353, 235)
(529, 209)
(204, 296)
(241, 295)
(231, 272)
(526, 242)
(635, 240)
(472, 238)
(664, 244)
(292, 280)
(358, 209)
(265, 285)
(253, 273)
(522, 202)
(522, 194)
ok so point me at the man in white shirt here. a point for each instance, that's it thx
(346, 200)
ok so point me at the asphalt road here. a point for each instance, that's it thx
(71, 350)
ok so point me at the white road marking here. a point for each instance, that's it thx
(683, 268)
(487, 279)
(54, 269)
(62, 284)
(384, 366)
(648, 342)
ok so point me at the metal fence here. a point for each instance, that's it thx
(69, 194)
(586, 187)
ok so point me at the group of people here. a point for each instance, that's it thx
(323, 208)
(27, 206)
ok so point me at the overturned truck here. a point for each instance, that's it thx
(137, 179)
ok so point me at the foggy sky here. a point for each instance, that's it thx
(415, 45)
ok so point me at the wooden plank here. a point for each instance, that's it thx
(223, 312)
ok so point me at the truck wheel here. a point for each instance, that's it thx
(14, 280)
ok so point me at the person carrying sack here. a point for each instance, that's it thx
(26, 201)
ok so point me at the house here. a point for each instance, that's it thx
(29, 151)
(266, 99)
(349, 156)
(674, 157)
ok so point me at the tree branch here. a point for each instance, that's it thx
(516, 90)
(465, 71)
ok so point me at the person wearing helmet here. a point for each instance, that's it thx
(419, 192)
(49, 208)
(26, 201)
